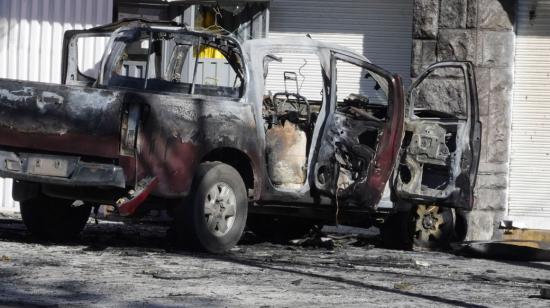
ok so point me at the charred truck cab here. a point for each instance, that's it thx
(156, 125)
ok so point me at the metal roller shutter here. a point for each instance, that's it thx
(31, 35)
(529, 194)
(380, 30)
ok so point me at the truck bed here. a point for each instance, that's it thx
(56, 118)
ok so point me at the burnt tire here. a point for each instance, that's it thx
(213, 217)
(438, 232)
(279, 229)
(54, 219)
(422, 226)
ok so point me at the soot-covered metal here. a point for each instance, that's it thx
(143, 127)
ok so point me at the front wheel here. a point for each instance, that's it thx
(427, 226)
(53, 218)
(214, 216)
(434, 226)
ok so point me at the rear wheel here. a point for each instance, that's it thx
(214, 216)
(53, 218)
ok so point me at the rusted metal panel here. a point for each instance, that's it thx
(179, 130)
(176, 130)
(60, 118)
(31, 35)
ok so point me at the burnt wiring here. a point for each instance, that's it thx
(216, 27)
(337, 214)
(336, 188)
(302, 75)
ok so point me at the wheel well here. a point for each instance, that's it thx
(235, 159)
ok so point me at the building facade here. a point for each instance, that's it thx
(509, 43)
(507, 40)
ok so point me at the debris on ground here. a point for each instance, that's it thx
(314, 241)
(513, 250)
(141, 270)
(165, 275)
(404, 286)
(421, 263)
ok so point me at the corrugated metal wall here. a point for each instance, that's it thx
(380, 30)
(529, 194)
(31, 34)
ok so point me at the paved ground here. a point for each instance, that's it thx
(118, 264)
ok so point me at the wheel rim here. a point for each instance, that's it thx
(220, 209)
(428, 223)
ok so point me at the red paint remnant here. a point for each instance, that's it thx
(389, 145)
(172, 162)
(128, 207)
(101, 146)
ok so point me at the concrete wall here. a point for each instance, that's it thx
(480, 31)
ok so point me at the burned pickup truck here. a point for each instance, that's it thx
(232, 138)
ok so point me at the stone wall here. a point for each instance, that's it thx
(480, 31)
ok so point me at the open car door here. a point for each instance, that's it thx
(361, 133)
(441, 147)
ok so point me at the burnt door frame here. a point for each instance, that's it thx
(462, 163)
(369, 189)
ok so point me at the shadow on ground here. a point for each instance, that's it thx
(137, 240)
